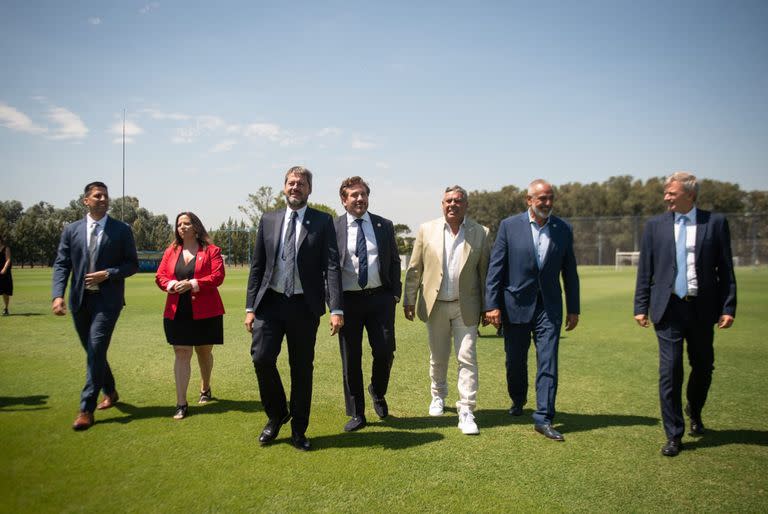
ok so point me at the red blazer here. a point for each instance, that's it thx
(209, 273)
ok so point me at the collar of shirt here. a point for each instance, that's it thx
(691, 215)
(532, 219)
(90, 221)
(447, 228)
(299, 218)
(351, 219)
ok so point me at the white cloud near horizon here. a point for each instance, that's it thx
(329, 131)
(94, 20)
(160, 115)
(70, 126)
(16, 120)
(149, 7)
(131, 129)
(361, 144)
(224, 146)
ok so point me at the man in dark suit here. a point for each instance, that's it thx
(99, 252)
(685, 280)
(532, 251)
(294, 257)
(370, 275)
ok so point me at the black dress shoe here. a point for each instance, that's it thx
(300, 442)
(355, 423)
(549, 432)
(697, 427)
(379, 404)
(516, 410)
(672, 448)
(272, 428)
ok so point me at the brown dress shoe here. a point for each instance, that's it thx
(109, 401)
(83, 421)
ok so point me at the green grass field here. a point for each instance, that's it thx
(136, 458)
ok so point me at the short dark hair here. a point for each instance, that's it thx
(91, 185)
(350, 182)
(203, 239)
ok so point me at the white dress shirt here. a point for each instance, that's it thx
(690, 249)
(453, 250)
(541, 238)
(351, 265)
(278, 276)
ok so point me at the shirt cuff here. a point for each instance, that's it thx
(337, 312)
(171, 284)
(248, 309)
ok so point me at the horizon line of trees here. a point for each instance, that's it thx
(33, 233)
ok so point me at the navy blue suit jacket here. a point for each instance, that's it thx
(116, 254)
(714, 267)
(515, 279)
(317, 260)
(389, 257)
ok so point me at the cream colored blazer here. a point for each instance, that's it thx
(425, 270)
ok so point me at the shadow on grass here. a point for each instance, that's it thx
(34, 402)
(723, 437)
(133, 412)
(390, 440)
(25, 314)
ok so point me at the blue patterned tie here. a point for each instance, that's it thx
(361, 250)
(681, 280)
(289, 254)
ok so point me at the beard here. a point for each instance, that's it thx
(541, 214)
(295, 203)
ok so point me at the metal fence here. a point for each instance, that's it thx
(597, 239)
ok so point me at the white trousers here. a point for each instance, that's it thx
(445, 323)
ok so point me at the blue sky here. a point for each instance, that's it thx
(223, 97)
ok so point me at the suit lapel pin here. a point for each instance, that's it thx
(378, 225)
(306, 222)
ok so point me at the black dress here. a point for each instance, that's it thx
(183, 330)
(6, 281)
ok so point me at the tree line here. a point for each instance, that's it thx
(606, 216)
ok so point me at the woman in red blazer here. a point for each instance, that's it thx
(191, 271)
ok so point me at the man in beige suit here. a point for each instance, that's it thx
(448, 268)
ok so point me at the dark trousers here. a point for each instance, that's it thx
(376, 313)
(517, 341)
(279, 316)
(680, 322)
(94, 325)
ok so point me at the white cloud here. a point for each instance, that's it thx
(329, 131)
(361, 144)
(70, 126)
(18, 121)
(131, 129)
(160, 115)
(149, 7)
(266, 130)
(94, 20)
(224, 146)
(382, 165)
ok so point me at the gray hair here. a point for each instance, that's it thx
(688, 181)
(457, 189)
(300, 171)
(537, 182)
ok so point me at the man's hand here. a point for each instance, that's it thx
(642, 320)
(725, 321)
(337, 321)
(493, 317)
(409, 311)
(97, 277)
(249, 318)
(58, 307)
(571, 320)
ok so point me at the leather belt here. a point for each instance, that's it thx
(687, 298)
(366, 292)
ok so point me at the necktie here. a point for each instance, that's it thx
(361, 250)
(681, 280)
(289, 254)
(93, 248)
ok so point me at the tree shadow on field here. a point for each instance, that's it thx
(216, 406)
(33, 402)
(714, 438)
(390, 440)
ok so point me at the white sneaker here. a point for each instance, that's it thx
(437, 406)
(467, 423)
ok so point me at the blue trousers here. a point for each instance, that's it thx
(94, 325)
(517, 341)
